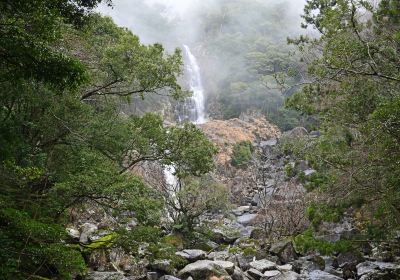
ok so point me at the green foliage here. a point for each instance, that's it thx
(36, 245)
(242, 153)
(192, 198)
(355, 95)
(317, 213)
(64, 143)
(306, 243)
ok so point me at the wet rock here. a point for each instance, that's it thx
(322, 275)
(203, 269)
(244, 261)
(284, 250)
(366, 267)
(228, 266)
(152, 276)
(162, 266)
(286, 267)
(87, 230)
(241, 210)
(271, 273)
(349, 271)
(225, 235)
(106, 276)
(353, 257)
(192, 254)
(238, 274)
(255, 274)
(263, 265)
(247, 219)
(73, 233)
(289, 275)
(169, 277)
(219, 255)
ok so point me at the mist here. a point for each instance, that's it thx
(236, 42)
(180, 21)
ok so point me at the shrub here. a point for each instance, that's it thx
(242, 153)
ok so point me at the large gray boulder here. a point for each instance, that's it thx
(270, 273)
(322, 275)
(226, 234)
(284, 250)
(238, 274)
(254, 274)
(192, 254)
(378, 271)
(219, 256)
(87, 231)
(204, 269)
(162, 266)
(247, 219)
(263, 265)
(288, 275)
(228, 266)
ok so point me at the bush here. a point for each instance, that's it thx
(242, 153)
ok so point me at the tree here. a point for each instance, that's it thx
(65, 143)
(355, 81)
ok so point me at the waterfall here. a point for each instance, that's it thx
(193, 108)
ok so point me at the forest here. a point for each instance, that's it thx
(294, 173)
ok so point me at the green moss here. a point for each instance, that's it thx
(103, 242)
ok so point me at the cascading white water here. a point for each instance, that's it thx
(193, 108)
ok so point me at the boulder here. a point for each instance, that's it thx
(204, 269)
(289, 275)
(228, 266)
(97, 275)
(87, 230)
(247, 219)
(352, 257)
(219, 255)
(243, 261)
(285, 267)
(192, 254)
(152, 276)
(169, 277)
(241, 210)
(284, 250)
(271, 273)
(366, 267)
(322, 275)
(225, 235)
(73, 233)
(162, 266)
(254, 274)
(263, 265)
(238, 274)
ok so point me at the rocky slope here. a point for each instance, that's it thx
(249, 242)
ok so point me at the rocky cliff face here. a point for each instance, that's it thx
(226, 133)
